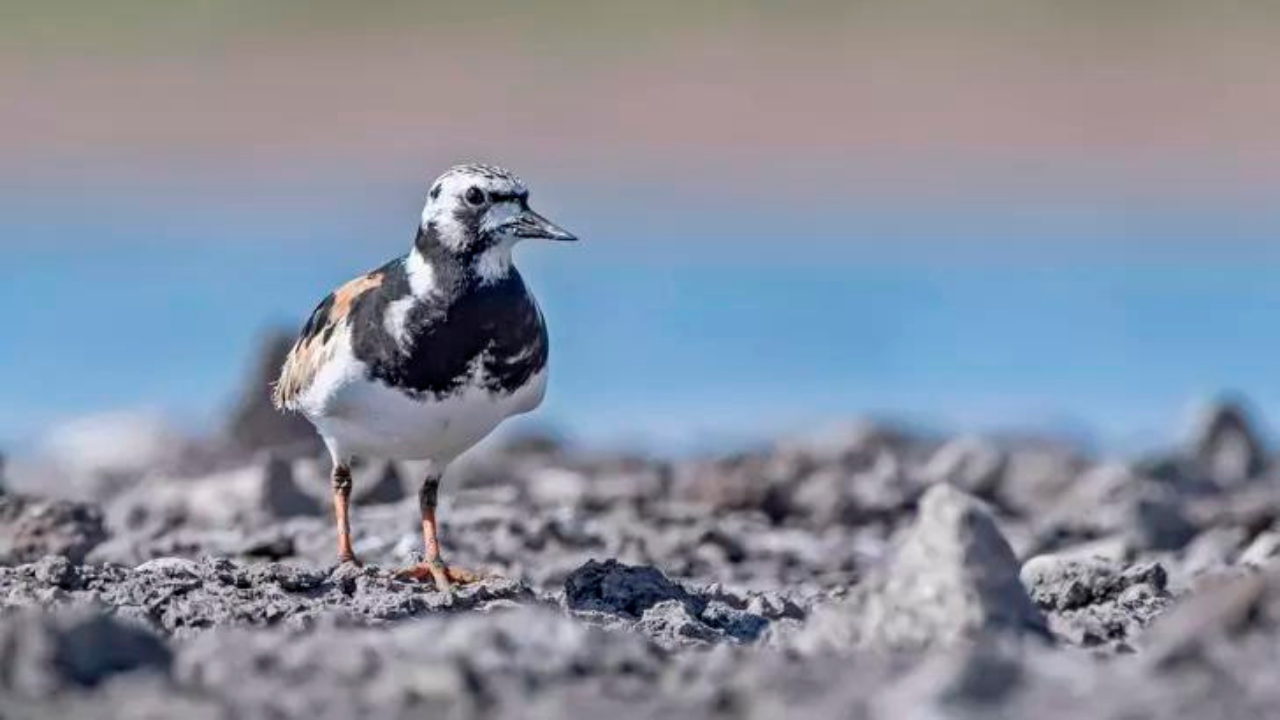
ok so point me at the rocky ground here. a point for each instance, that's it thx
(865, 573)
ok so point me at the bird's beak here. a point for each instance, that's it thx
(529, 224)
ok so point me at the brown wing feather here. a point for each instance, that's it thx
(316, 343)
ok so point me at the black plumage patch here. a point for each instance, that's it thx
(318, 320)
(497, 325)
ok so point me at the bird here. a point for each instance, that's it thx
(423, 357)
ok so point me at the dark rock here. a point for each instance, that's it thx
(31, 528)
(735, 622)
(255, 425)
(377, 484)
(278, 495)
(1160, 523)
(1225, 444)
(615, 588)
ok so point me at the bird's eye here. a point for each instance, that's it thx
(475, 196)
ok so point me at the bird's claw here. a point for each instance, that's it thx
(444, 576)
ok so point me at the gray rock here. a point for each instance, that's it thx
(1038, 474)
(953, 577)
(31, 528)
(1211, 551)
(969, 463)
(1110, 500)
(56, 571)
(1091, 601)
(671, 624)
(171, 567)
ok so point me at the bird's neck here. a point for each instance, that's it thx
(437, 266)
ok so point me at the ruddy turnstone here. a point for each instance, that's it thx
(423, 357)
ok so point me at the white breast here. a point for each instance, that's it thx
(357, 416)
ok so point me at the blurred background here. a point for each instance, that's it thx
(1030, 216)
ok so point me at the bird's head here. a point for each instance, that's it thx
(477, 213)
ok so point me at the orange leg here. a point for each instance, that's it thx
(341, 508)
(433, 565)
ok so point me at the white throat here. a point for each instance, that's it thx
(494, 264)
(422, 276)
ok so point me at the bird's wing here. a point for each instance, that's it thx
(319, 337)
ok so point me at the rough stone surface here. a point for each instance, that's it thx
(180, 597)
(866, 572)
(1091, 601)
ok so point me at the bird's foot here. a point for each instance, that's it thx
(349, 559)
(444, 576)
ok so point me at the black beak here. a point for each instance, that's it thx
(529, 224)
